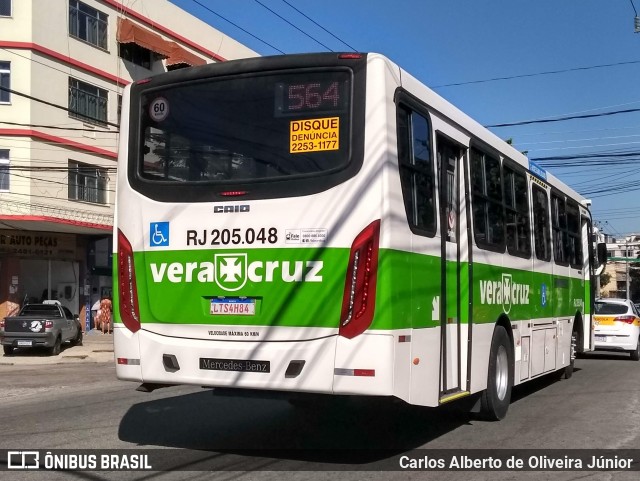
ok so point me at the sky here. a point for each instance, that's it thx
(499, 61)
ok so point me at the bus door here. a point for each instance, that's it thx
(448, 157)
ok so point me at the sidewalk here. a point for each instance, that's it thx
(96, 347)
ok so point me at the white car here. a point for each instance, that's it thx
(617, 326)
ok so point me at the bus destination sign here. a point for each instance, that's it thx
(314, 97)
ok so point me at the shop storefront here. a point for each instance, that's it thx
(35, 266)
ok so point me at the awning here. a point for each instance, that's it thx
(179, 55)
(129, 32)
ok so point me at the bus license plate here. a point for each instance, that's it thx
(233, 307)
(601, 338)
(25, 343)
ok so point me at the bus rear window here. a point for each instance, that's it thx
(246, 129)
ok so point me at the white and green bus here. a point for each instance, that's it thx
(326, 224)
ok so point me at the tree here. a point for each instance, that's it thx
(605, 278)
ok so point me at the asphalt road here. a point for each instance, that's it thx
(82, 406)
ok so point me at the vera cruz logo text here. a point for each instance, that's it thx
(232, 271)
(504, 292)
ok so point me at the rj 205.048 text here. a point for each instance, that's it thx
(264, 235)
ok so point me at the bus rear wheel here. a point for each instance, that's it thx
(495, 400)
(567, 371)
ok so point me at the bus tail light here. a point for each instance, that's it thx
(127, 290)
(625, 319)
(358, 303)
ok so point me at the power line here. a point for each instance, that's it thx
(587, 156)
(562, 119)
(237, 26)
(546, 142)
(76, 75)
(294, 26)
(84, 167)
(549, 72)
(51, 104)
(564, 132)
(51, 181)
(60, 128)
(317, 24)
(46, 197)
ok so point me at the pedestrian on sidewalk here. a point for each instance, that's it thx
(103, 317)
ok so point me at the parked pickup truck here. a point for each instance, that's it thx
(40, 325)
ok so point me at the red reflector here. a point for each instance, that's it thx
(626, 319)
(128, 362)
(143, 81)
(234, 193)
(364, 372)
(350, 56)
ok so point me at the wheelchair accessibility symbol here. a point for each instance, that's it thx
(159, 234)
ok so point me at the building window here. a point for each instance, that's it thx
(5, 8)
(4, 170)
(5, 76)
(87, 102)
(87, 183)
(88, 24)
(136, 54)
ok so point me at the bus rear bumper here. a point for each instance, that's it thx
(331, 365)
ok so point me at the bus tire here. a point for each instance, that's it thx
(567, 372)
(495, 400)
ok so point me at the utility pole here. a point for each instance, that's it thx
(626, 255)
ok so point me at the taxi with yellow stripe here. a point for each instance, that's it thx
(617, 326)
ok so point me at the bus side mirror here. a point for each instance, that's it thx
(602, 253)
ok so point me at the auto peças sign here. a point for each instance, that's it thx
(37, 244)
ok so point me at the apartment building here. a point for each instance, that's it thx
(622, 254)
(63, 67)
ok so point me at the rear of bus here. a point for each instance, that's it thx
(247, 229)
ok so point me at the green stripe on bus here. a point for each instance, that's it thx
(300, 287)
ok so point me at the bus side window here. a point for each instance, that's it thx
(416, 170)
(488, 209)
(541, 224)
(560, 236)
(517, 210)
(574, 235)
